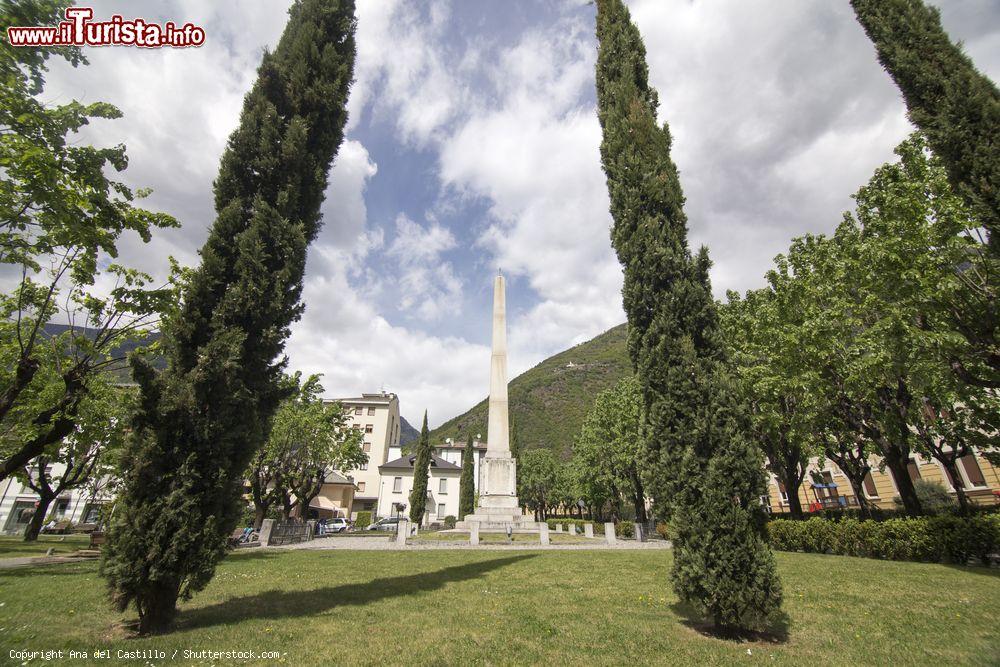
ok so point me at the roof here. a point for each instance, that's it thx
(336, 478)
(406, 463)
(375, 399)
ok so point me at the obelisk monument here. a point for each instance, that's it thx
(498, 506)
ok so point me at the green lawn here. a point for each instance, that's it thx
(555, 607)
(16, 547)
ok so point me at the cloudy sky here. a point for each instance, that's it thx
(473, 145)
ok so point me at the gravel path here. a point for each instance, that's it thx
(385, 544)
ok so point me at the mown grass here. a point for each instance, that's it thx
(501, 538)
(486, 607)
(16, 547)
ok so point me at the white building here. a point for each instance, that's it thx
(396, 483)
(452, 452)
(377, 415)
(17, 504)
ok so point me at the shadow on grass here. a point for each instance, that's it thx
(49, 569)
(777, 631)
(975, 569)
(276, 604)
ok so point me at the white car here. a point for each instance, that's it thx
(337, 525)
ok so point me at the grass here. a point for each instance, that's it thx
(501, 538)
(477, 607)
(16, 547)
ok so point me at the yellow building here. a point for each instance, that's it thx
(981, 483)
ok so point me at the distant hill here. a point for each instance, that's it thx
(407, 433)
(120, 370)
(548, 402)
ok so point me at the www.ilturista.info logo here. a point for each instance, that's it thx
(79, 30)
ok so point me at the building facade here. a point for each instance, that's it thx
(453, 452)
(825, 486)
(377, 416)
(396, 483)
(18, 501)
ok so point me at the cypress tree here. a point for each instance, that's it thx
(467, 485)
(201, 419)
(421, 469)
(702, 473)
(953, 104)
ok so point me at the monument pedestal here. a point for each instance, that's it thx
(498, 507)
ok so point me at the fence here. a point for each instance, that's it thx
(290, 533)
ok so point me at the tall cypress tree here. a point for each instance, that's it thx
(467, 485)
(421, 469)
(203, 417)
(953, 104)
(702, 473)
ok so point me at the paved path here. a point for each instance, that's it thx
(383, 543)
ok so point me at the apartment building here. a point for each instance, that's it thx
(443, 481)
(451, 451)
(831, 488)
(17, 504)
(377, 417)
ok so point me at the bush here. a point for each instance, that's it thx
(363, 520)
(933, 497)
(626, 529)
(948, 539)
(661, 530)
(449, 521)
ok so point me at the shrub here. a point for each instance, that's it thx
(933, 497)
(449, 521)
(948, 539)
(626, 529)
(661, 530)
(598, 527)
(363, 520)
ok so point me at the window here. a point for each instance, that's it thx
(972, 470)
(443, 486)
(973, 473)
(371, 410)
(397, 484)
(782, 491)
(441, 510)
(62, 506)
(367, 447)
(92, 513)
(363, 466)
(369, 428)
(357, 410)
(911, 467)
(869, 483)
(356, 427)
(361, 487)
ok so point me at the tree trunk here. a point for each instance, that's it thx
(907, 494)
(638, 497)
(951, 465)
(260, 511)
(34, 526)
(157, 604)
(858, 486)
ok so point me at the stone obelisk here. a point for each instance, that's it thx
(498, 506)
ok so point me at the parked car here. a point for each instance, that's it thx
(385, 524)
(337, 525)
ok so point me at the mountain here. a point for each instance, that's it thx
(407, 433)
(548, 402)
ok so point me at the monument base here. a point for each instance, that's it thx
(498, 507)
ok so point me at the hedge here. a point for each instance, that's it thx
(363, 520)
(947, 539)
